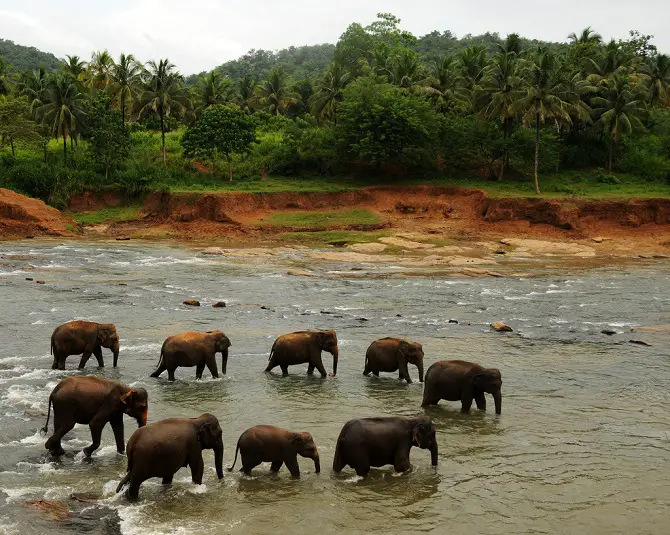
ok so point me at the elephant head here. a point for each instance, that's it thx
(221, 345)
(423, 436)
(108, 337)
(413, 354)
(305, 446)
(328, 342)
(210, 437)
(136, 405)
(489, 380)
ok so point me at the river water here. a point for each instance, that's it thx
(582, 445)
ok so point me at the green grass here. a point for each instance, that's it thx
(208, 183)
(322, 237)
(108, 215)
(338, 218)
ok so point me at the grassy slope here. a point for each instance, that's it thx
(324, 219)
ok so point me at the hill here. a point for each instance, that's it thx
(21, 58)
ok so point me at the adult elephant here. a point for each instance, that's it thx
(161, 448)
(193, 349)
(267, 443)
(367, 442)
(393, 354)
(93, 401)
(304, 346)
(458, 380)
(83, 338)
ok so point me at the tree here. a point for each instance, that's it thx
(108, 138)
(162, 92)
(16, 124)
(380, 122)
(213, 89)
(328, 94)
(74, 66)
(443, 87)
(99, 70)
(354, 50)
(62, 108)
(124, 77)
(618, 106)
(247, 88)
(587, 36)
(220, 129)
(274, 95)
(545, 98)
(405, 69)
(472, 62)
(4, 79)
(657, 70)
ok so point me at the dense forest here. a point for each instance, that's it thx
(21, 58)
(380, 103)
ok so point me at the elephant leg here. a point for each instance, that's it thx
(54, 364)
(362, 467)
(367, 369)
(171, 373)
(403, 371)
(284, 369)
(429, 398)
(197, 468)
(61, 362)
(375, 373)
(338, 461)
(117, 428)
(272, 364)
(466, 402)
(480, 400)
(319, 367)
(84, 358)
(133, 490)
(248, 464)
(167, 480)
(61, 428)
(401, 462)
(276, 465)
(199, 368)
(292, 465)
(97, 424)
(211, 366)
(310, 369)
(97, 351)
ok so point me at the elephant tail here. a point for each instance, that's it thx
(45, 429)
(235, 460)
(161, 366)
(51, 351)
(272, 350)
(125, 480)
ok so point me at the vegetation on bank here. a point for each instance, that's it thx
(513, 117)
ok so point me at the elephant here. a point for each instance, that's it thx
(85, 338)
(193, 349)
(393, 354)
(367, 442)
(93, 401)
(267, 443)
(457, 380)
(304, 346)
(161, 448)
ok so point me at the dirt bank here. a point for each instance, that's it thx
(22, 217)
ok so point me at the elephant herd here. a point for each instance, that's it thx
(161, 448)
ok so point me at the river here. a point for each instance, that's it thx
(582, 445)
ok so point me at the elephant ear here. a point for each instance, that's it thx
(205, 433)
(300, 439)
(124, 397)
(478, 379)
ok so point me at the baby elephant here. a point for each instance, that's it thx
(457, 380)
(160, 449)
(267, 443)
(370, 442)
(83, 338)
(304, 347)
(93, 401)
(393, 354)
(193, 349)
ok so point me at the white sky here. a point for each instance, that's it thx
(197, 35)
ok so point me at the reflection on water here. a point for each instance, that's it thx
(581, 447)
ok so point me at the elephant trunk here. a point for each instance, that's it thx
(224, 361)
(115, 350)
(142, 418)
(497, 399)
(335, 357)
(419, 365)
(218, 458)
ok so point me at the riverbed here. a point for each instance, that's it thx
(582, 445)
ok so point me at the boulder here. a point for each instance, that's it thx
(40, 282)
(608, 332)
(640, 343)
(501, 327)
(191, 302)
(301, 273)
(213, 251)
(453, 321)
(219, 304)
(655, 329)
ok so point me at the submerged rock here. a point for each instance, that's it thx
(453, 321)
(301, 273)
(501, 327)
(191, 302)
(40, 282)
(640, 343)
(219, 304)
(608, 332)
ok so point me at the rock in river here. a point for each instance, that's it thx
(219, 304)
(192, 302)
(501, 327)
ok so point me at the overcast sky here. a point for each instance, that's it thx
(197, 35)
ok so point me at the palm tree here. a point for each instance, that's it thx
(501, 88)
(545, 98)
(443, 85)
(612, 59)
(4, 81)
(618, 107)
(32, 84)
(246, 88)
(212, 89)
(162, 91)
(274, 94)
(472, 62)
(587, 36)
(406, 70)
(99, 70)
(74, 66)
(328, 93)
(124, 77)
(657, 70)
(512, 44)
(62, 107)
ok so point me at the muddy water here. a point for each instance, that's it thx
(582, 446)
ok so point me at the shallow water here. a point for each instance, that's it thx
(582, 445)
